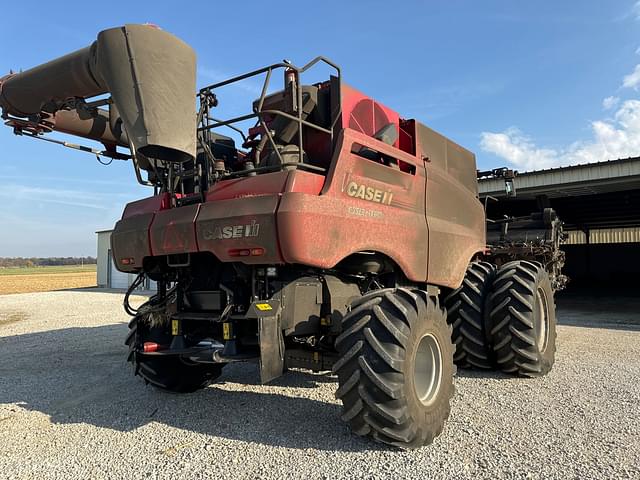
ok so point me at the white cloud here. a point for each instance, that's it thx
(633, 79)
(633, 12)
(612, 138)
(615, 138)
(610, 102)
(517, 148)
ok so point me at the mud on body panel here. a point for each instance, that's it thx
(362, 201)
(241, 229)
(172, 231)
(130, 242)
(454, 214)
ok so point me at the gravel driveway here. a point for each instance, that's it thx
(70, 407)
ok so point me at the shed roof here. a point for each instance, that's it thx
(573, 180)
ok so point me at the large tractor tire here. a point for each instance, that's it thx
(170, 373)
(522, 319)
(466, 314)
(395, 370)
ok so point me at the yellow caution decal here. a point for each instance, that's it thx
(263, 307)
(227, 331)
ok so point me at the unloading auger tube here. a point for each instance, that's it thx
(150, 75)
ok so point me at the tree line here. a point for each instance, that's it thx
(45, 262)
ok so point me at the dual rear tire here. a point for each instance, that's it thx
(504, 319)
(396, 351)
(466, 308)
(522, 320)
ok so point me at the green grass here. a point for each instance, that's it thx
(47, 270)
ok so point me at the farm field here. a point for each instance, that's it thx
(44, 279)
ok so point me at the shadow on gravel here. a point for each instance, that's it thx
(631, 327)
(599, 308)
(79, 375)
(615, 314)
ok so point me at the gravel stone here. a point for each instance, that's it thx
(70, 407)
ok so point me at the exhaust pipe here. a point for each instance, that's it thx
(150, 74)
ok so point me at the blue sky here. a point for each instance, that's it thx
(527, 84)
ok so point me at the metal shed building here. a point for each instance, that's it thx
(108, 275)
(600, 206)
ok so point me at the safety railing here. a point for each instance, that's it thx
(208, 101)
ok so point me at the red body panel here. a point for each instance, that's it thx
(363, 114)
(260, 185)
(457, 228)
(173, 231)
(224, 226)
(322, 230)
(267, 184)
(150, 228)
(130, 241)
(147, 205)
(304, 182)
(414, 201)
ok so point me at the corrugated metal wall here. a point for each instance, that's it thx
(605, 235)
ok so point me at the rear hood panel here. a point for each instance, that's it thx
(226, 226)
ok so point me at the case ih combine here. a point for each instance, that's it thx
(338, 236)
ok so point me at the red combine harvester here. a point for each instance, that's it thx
(338, 235)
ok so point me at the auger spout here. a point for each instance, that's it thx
(150, 75)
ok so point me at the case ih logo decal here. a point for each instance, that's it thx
(232, 231)
(369, 193)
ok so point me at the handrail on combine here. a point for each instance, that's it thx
(208, 100)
